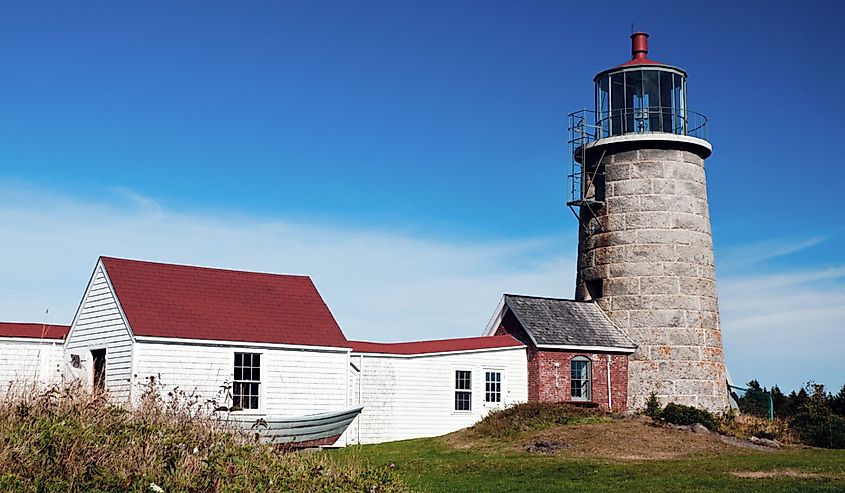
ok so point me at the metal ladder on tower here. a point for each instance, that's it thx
(582, 177)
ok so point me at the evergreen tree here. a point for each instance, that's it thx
(782, 405)
(837, 402)
(755, 401)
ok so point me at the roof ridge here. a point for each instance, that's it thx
(431, 340)
(191, 266)
(191, 302)
(547, 298)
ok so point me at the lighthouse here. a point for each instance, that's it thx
(645, 251)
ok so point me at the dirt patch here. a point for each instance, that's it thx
(632, 440)
(624, 440)
(779, 473)
(543, 446)
(629, 439)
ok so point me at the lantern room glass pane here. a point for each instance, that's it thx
(679, 117)
(667, 107)
(603, 105)
(651, 100)
(617, 102)
(633, 101)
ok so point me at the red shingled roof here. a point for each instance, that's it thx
(164, 300)
(436, 346)
(35, 331)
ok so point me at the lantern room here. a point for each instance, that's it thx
(641, 104)
(642, 96)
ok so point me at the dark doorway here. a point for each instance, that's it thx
(99, 357)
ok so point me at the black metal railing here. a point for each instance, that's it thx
(587, 126)
(625, 121)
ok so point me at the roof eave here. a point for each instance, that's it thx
(588, 349)
(254, 344)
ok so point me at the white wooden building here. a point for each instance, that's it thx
(429, 388)
(30, 354)
(261, 342)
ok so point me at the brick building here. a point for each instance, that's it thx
(574, 352)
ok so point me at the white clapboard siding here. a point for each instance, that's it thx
(293, 382)
(413, 397)
(99, 324)
(29, 363)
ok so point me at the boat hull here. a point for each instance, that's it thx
(311, 430)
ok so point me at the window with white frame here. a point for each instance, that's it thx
(247, 380)
(493, 386)
(580, 378)
(463, 390)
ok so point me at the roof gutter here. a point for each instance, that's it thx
(590, 349)
(439, 353)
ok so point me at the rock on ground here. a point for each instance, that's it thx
(765, 442)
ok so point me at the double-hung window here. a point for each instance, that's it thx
(247, 380)
(580, 378)
(493, 386)
(463, 390)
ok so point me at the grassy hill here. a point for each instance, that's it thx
(597, 453)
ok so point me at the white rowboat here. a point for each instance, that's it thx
(309, 430)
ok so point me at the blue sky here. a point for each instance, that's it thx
(410, 156)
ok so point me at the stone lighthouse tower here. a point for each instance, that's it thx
(645, 253)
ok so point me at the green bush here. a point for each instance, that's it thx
(652, 406)
(826, 431)
(680, 414)
(532, 416)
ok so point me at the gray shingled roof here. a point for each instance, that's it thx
(555, 321)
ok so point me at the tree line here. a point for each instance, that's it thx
(814, 414)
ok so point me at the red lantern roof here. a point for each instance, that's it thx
(639, 51)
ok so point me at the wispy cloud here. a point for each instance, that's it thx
(757, 252)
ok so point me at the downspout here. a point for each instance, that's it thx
(609, 398)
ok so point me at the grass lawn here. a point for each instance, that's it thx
(442, 465)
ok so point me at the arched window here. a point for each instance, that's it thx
(580, 378)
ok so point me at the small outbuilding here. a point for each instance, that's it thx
(30, 354)
(574, 352)
(428, 388)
